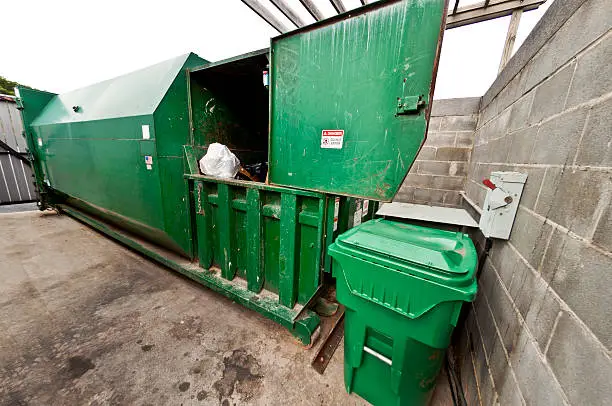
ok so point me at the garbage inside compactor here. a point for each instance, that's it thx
(219, 161)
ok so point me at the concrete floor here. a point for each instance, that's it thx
(84, 320)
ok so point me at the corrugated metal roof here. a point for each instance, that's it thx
(136, 93)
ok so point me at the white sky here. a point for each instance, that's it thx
(62, 45)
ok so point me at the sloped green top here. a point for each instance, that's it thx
(429, 253)
(405, 268)
(134, 94)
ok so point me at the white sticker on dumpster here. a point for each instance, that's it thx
(336, 212)
(366, 206)
(357, 215)
(332, 139)
(146, 134)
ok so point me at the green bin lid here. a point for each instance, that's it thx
(437, 255)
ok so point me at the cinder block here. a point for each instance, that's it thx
(554, 18)
(508, 95)
(468, 379)
(593, 77)
(505, 316)
(558, 138)
(522, 144)
(603, 232)
(529, 235)
(434, 124)
(498, 363)
(459, 123)
(448, 182)
(426, 153)
(581, 365)
(452, 198)
(423, 195)
(464, 139)
(520, 113)
(434, 167)
(413, 179)
(487, 278)
(532, 186)
(588, 23)
(499, 126)
(457, 169)
(581, 195)
(405, 194)
(504, 260)
(498, 149)
(533, 286)
(440, 139)
(582, 279)
(510, 393)
(550, 95)
(455, 107)
(541, 316)
(536, 381)
(487, 113)
(548, 191)
(485, 324)
(480, 153)
(453, 154)
(596, 144)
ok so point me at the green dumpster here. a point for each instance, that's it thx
(403, 287)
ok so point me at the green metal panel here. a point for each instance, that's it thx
(92, 150)
(30, 103)
(403, 287)
(369, 73)
(269, 236)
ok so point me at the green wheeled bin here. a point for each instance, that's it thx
(403, 287)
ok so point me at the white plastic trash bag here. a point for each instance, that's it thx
(219, 161)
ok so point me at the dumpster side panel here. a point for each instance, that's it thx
(348, 74)
(103, 163)
(172, 132)
(268, 236)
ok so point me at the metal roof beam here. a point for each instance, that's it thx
(313, 10)
(268, 17)
(338, 6)
(288, 12)
(476, 13)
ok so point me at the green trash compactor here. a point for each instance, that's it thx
(339, 125)
(403, 287)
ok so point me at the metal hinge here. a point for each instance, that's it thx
(409, 104)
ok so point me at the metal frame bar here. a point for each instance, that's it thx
(488, 10)
(313, 10)
(288, 12)
(510, 38)
(267, 16)
(338, 6)
(460, 16)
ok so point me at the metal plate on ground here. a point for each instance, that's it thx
(332, 340)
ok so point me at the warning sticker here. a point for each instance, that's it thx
(336, 212)
(332, 139)
(366, 206)
(357, 215)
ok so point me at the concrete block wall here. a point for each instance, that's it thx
(540, 331)
(439, 172)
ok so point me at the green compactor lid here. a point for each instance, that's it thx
(444, 257)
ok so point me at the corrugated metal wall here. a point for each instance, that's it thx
(16, 182)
